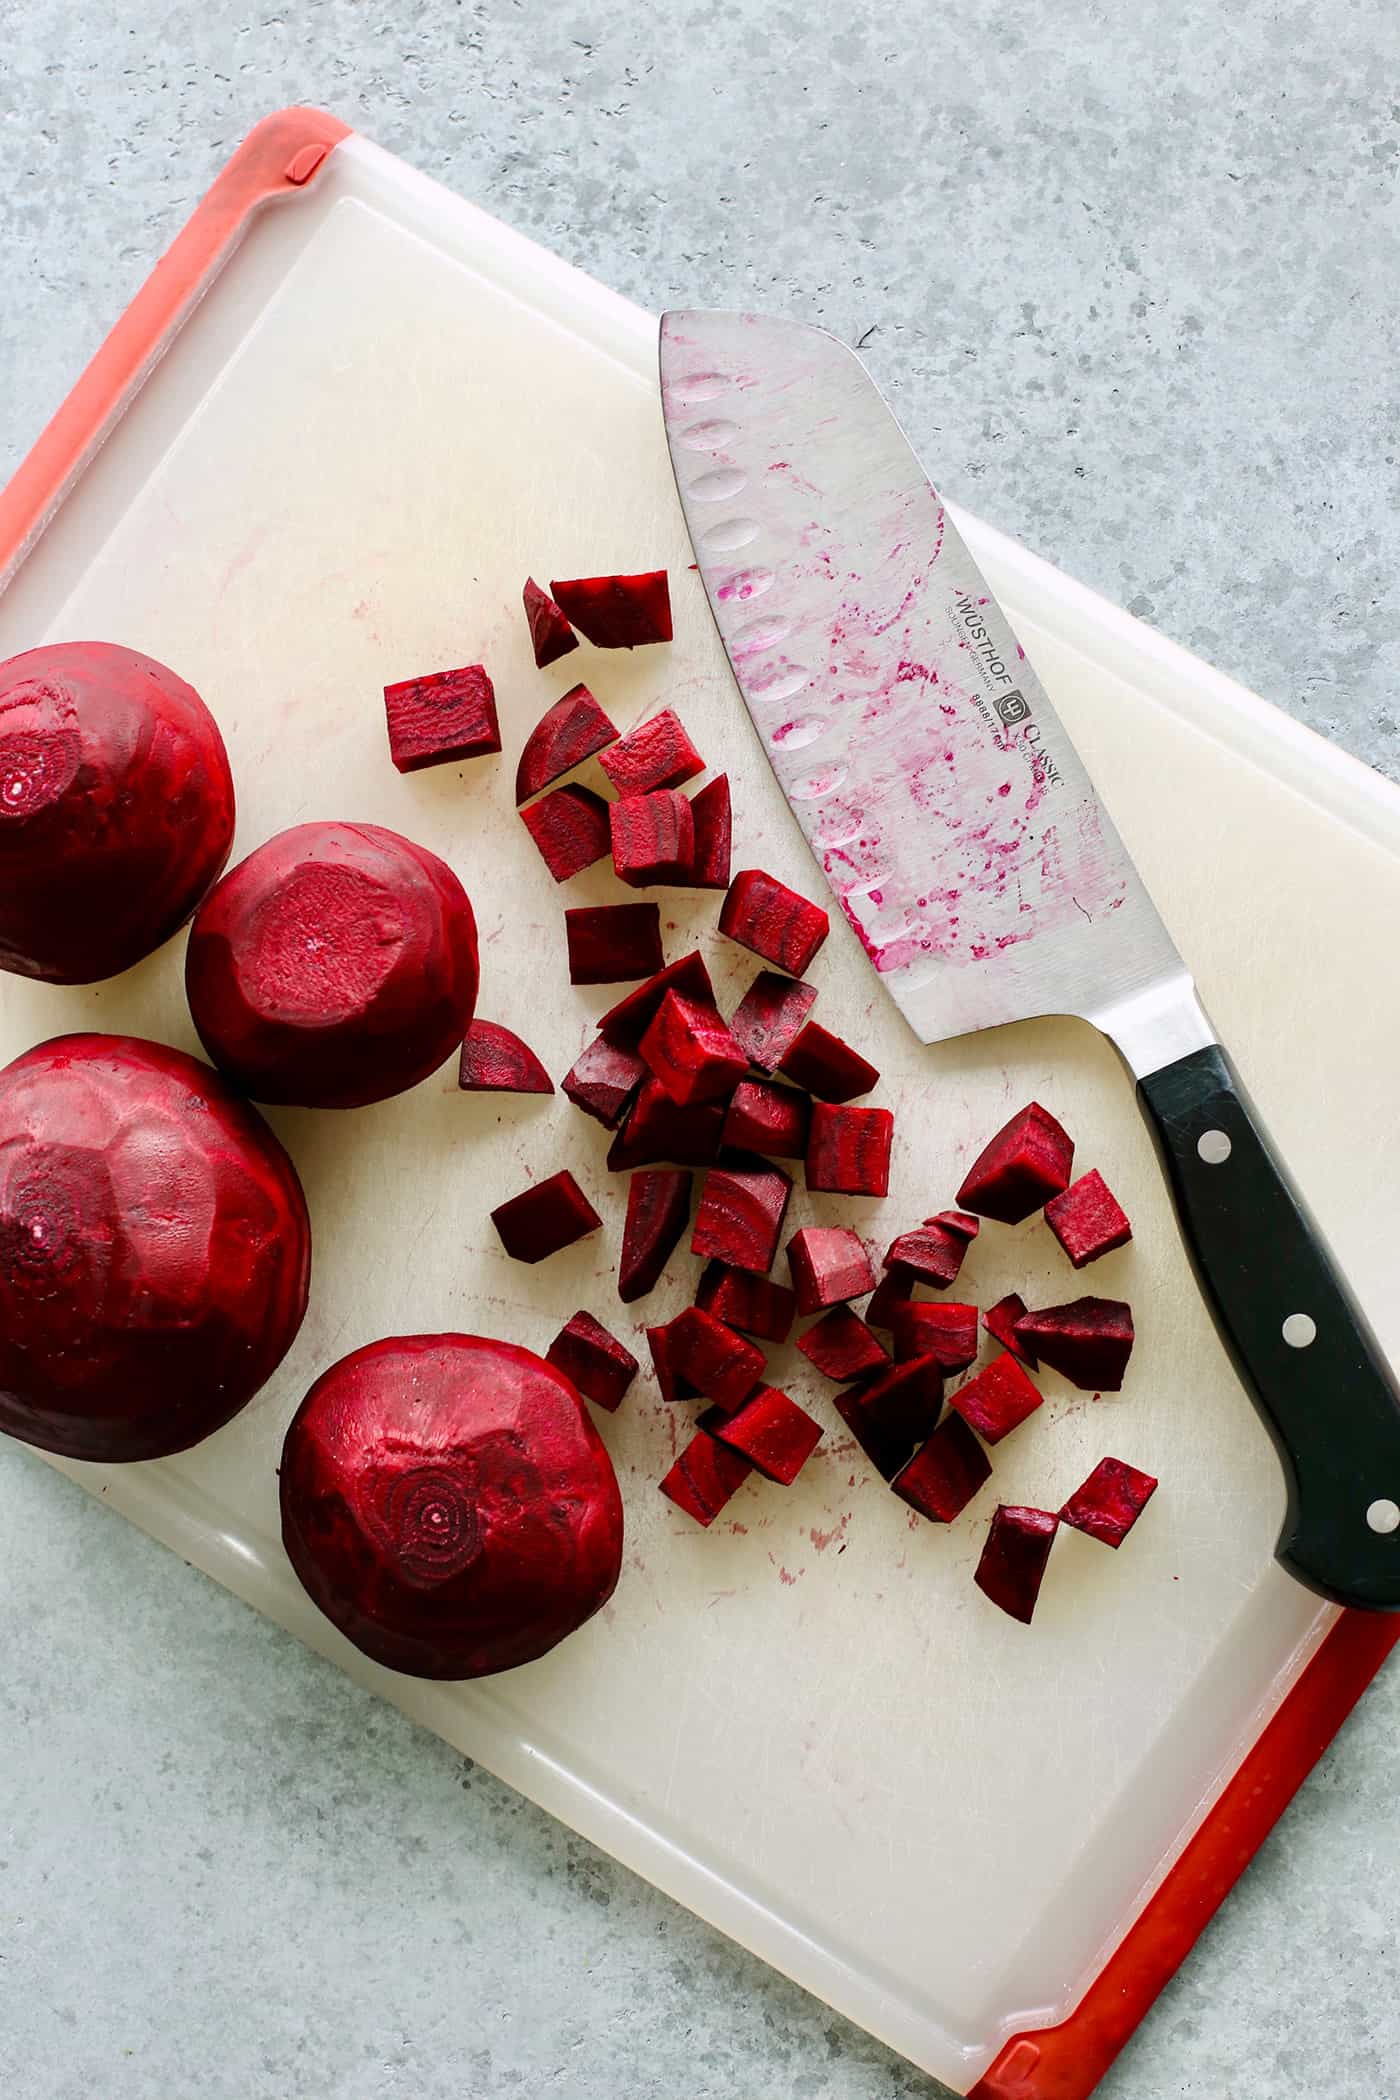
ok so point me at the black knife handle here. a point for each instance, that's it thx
(1299, 1340)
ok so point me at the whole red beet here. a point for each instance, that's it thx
(335, 966)
(155, 1250)
(116, 809)
(449, 1505)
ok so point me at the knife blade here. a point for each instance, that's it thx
(966, 844)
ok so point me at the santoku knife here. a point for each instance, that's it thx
(965, 842)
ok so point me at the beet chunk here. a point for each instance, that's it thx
(895, 1288)
(768, 1119)
(942, 1478)
(1087, 1219)
(495, 1061)
(741, 1214)
(848, 1150)
(773, 1433)
(704, 1477)
(764, 915)
(659, 1128)
(565, 735)
(842, 1347)
(888, 1450)
(611, 942)
(1110, 1501)
(1013, 1560)
(550, 633)
(1027, 1162)
(718, 1362)
(770, 1016)
(449, 1505)
(958, 1222)
(658, 1210)
(656, 754)
(948, 1333)
(629, 1020)
(670, 1384)
(593, 1360)
(829, 1264)
(931, 1253)
(445, 715)
(653, 838)
(893, 1411)
(1000, 1323)
(753, 1304)
(713, 820)
(571, 829)
(541, 1220)
(997, 1400)
(691, 1051)
(617, 612)
(827, 1067)
(603, 1080)
(1089, 1341)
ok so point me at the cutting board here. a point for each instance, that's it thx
(321, 454)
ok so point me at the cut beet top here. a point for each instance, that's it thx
(617, 612)
(931, 1253)
(550, 633)
(753, 1304)
(629, 1020)
(593, 1360)
(1000, 1323)
(658, 1211)
(770, 1016)
(1013, 1560)
(656, 754)
(1089, 1342)
(947, 1333)
(611, 942)
(1110, 1501)
(653, 838)
(942, 1478)
(842, 1347)
(829, 1264)
(568, 733)
(741, 1214)
(997, 1400)
(773, 1433)
(713, 820)
(1087, 1219)
(603, 1080)
(704, 1477)
(692, 1052)
(895, 1288)
(848, 1150)
(827, 1067)
(658, 1128)
(541, 1220)
(764, 915)
(1027, 1162)
(670, 1384)
(717, 1362)
(495, 1061)
(571, 829)
(445, 715)
(768, 1119)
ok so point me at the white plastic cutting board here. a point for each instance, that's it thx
(807, 1724)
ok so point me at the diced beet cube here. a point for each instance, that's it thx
(550, 633)
(617, 612)
(704, 1477)
(603, 1081)
(1110, 1501)
(906, 1399)
(773, 1433)
(770, 1016)
(670, 1384)
(754, 1304)
(1000, 1323)
(541, 1220)
(1089, 1341)
(829, 1264)
(571, 829)
(827, 1067)
(888, 1450)
(997, 1399)
(1027, 1162)
(848, 1150)
(842, 1347)
(653, 838)
(941, 1479)
(495, 1061)
(629, 1020)
(741, 1216)
(960, 1222)
(1013, 1559)
(721, 1364)
(598, 1364)
(447, 715)
(692, 1052)
(565, 735)
(895, 1288)
(656, 754)
(769, 1119)
(764, 915)
(948, 1333)
(1087, 1219)
(658, 1210)
(611, 942)
(658, 1128)
(931, 1253)
(713, 819)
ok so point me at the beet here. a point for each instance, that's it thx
(740, 1219)
(495, 1061)
(770, 1015)
(628, 1021)
(842, 1346)
(335, 966)
(773, 1433)
(658, 1211)
(1000, 1323)
(905, 1399)
(1087, 1219)
(653, 838)
(1089, 1342)
(116, 809)
(848, 1150)
(570, 826)
(764, 915)
(713, 819)
(829, 1264)
(155, 1249)
(768, 1119)
(827, 1067)
(611, 942)
(948, 1333)
(670, 1384)
(692, 1052)
(440, 717)
(997, 1400)
(1027, 1162)
(617, 612)
(1110, 1501)
(593, 1360)
(931, 1254)
(704, 1477)
(714, 1359)
(550, 633)
(895, 1288)
(565, 735)
(658, 1128)
(449, 1505)
(1013, 1559)
(942, 1478)
(754, 1304)
(541, 1220)
(603, 1080)
(888, 1450)
(958, 1222)
(656, 754)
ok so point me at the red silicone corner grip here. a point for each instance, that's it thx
(279, 158)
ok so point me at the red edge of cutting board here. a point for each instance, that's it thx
(278, 159)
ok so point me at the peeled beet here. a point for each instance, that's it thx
(888, 1450)
(617, 612)
(948, 1333)
(770, 1016)
(931, 1253)
(773, 1433)
(1110, 1501)
(653, 838)
(593, 1361)
(658, 1128)
(754, 1304)
(827, 1067)
(848, 1150)
(1089, 1341)
(891, 1412)
(704, 1477)
(713, 821)
(1000, 1323)
(958, 1222)
(740, 1219)
(656, 754)
(829, 1264)
(1027, 1162)
(842, 1346)
(895, 1288)
(550, 633)
(670, 1384)
(611, 942)
(155, 1249)
(541, 1220)
(116, 809)
(997, 1400)
(570, 826)
(769, 1119)
(1088, 1220)
(445, 715)
(495, 1061)
(942, 1478)
(1013, 1559)
(603, 1080)
(691, 1051)
(714, 1359)
(764, 915)
(565, 735)
(629, 1020)
(658, 1211)
(449, 1505)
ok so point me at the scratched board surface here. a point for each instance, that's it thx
(808, 1724)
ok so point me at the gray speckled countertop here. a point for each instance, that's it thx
(1129, 277)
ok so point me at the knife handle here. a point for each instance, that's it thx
(1298, 1339)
